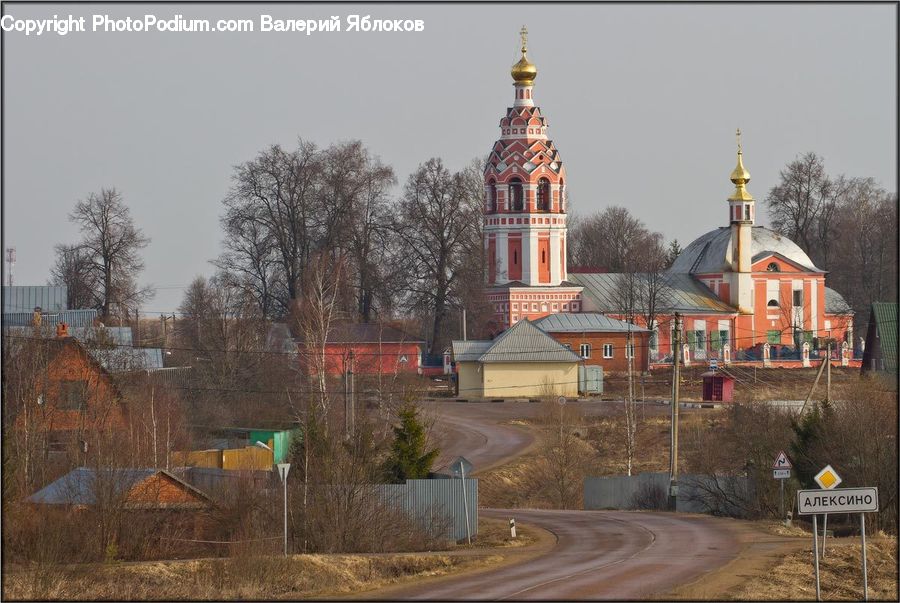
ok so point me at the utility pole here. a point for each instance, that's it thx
(10, 262)
(673, 452)
(827, 375)
(349, 410)
(464, 324)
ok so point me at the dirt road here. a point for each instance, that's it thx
(598, 555)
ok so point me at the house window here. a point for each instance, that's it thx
(493, 197)
(607, 350)
(72, 395)
(585, 350)
(629, 350)
(773, 267)
(798, 298)
(534, 307)
(746, 212)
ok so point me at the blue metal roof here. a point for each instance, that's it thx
(19, 298)
(80, 486)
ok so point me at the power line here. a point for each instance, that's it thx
(300, 351)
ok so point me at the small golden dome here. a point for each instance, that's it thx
(524, 71)
(740, 176)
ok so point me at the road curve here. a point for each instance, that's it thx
(480, 432)
(599, 555)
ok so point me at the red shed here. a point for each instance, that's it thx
(718, 387)
(376, 348)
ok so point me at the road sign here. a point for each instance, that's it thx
(404, 359)
(828, 478)
(283, 469)
(781, 473)
(713, 364)
(845, 500)
(561, 400)
(782, 462)
(461, 466)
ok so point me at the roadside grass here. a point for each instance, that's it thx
(246, 577)
(840, 574)
(494, 533)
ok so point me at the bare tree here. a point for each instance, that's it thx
(796, 204)
(621, 234)
(108, 257)
(74, 269)
(432, 223)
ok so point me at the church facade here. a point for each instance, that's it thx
(737, 288)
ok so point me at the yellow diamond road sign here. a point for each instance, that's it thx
(828, 478)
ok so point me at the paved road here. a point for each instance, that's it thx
(479, 432)
(598, 555)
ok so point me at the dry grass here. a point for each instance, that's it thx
(494, 533)
(300, 576)
(840, 574)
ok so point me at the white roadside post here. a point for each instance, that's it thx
(844, 500)
(283, 469)
(512, 527)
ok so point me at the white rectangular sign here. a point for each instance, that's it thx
(842, 500)
(781, 473)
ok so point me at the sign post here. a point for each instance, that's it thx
(283, 469)
(845, 500)
(460, 465)
(827, 479)
(781, 470)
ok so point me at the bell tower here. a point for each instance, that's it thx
(742, 213)
(525, 210)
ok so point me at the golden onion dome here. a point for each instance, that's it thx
(740, 176)
(524, 71)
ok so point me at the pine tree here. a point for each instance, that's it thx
(673, 252)
(408, 459)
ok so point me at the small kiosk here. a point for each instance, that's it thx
(717, 387)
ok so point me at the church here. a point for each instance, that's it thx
(737, 288)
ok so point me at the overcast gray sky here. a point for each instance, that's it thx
(642, 102)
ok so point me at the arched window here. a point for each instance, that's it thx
(773, 303)
(516, 195)
(492, 197)
(543, 195)
(562, 195)
(773, 267)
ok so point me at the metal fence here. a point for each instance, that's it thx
(718, 495)
(19, 298)
(433, 502)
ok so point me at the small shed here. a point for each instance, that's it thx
(717, 387)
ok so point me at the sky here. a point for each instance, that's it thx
(642, 103)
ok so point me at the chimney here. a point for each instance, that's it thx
(36, 317)
(62, 330)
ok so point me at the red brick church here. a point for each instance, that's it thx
(737, 287)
